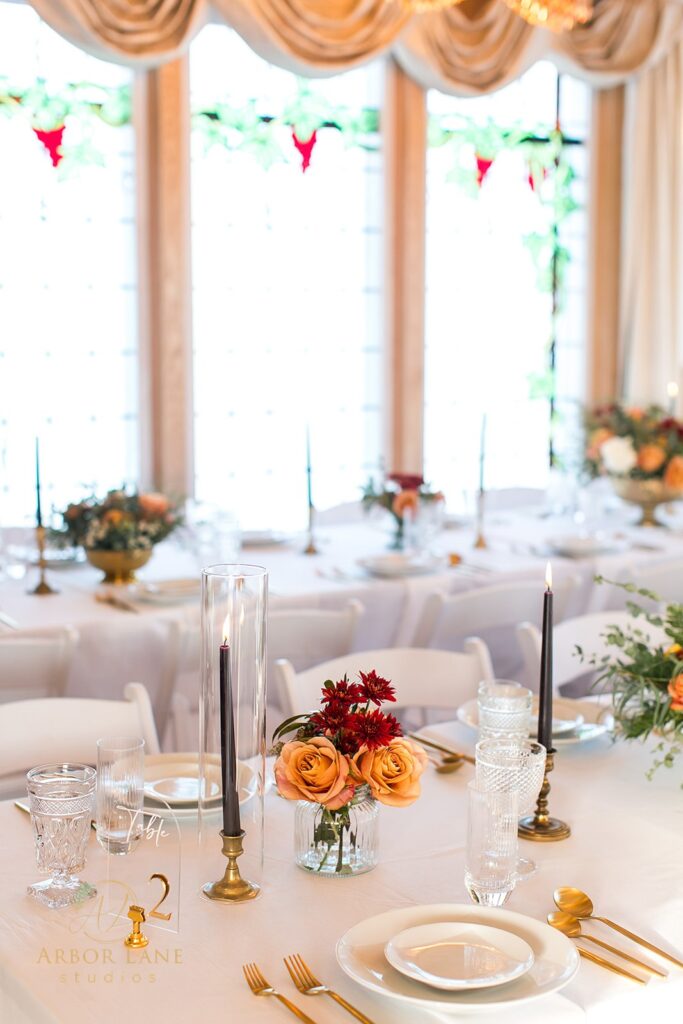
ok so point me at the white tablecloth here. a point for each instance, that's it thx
(626, 851)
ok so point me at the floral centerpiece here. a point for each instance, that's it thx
(119, 531)
(401, 495)
(343, 760)
(646, 678)
(641, 450)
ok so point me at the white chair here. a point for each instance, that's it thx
(304, 636)
(586, 632)
(35, 662)
(67, 729)
(509, 498)
(423, 678)
(665, 580)
(338, 515)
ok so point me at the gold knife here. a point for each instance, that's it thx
(610, 966)
(437, 746)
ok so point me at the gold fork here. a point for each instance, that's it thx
(260, 987)
(308, 984)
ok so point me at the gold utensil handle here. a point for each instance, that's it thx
(594, 958)
(641, 942)
(442, 749)
(294, 1009)
(625, 956)
(350, 1009)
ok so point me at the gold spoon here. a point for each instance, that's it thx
(571, 926)
(448, 765)
(579, 904)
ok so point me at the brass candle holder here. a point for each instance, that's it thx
(232, 888)
(42, 587)
(480, 541)
(540, 826)
(310, 548)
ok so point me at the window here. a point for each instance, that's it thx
(490, 333)
(68, 332)
(287, 282)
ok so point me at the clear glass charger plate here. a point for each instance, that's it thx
(360, 954)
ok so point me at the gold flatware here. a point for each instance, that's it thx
(442, 750)
(579, 904)
(116, 602)
(571, 926)
(260, 987)
(594, 958)
(308, 984)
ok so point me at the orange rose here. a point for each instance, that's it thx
(113, 516)
(673, 475)
(153, 504)
(597, 438)
(314, 771)
(635, 413)
(393, 772)
(651, 458)
(405, 500)
(675, 689)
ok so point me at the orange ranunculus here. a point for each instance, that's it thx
(675, 689)
(673, 474)
(403, 501)
(392, 772)
(113, 516)
(153, 504)
(597, 438)
(635, 413)
(651, 458)
(314, 771)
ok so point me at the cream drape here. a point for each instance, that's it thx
(471, 48)
(652, 272)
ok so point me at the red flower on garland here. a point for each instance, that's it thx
(483, 167)
(304, 148)
(343, 692)
(375, 688)
(407, 481)
(52, 141)
(372, 729)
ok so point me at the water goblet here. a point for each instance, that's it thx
(61, 798)
(120, 792)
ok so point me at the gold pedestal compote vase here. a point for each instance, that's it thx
(647, 494)
(118, 566)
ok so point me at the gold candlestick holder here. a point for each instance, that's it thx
(480, 541)
(42, 587)
(232, 888)
(310, 548)
(540, 826)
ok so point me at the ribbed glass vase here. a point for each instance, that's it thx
(335, 844)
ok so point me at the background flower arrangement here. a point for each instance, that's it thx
(347, 751)
(120, 521)
(642, 444)
(400, 495)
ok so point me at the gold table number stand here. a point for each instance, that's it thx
(232, 888)
(136, 940)
(42, 587)
(540, 826)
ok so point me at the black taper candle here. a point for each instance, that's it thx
(231, 806)
(545, 703)
(39, 513)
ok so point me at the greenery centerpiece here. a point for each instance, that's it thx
(119, 531)
(344, 759)
(401, 495)
(640, 450)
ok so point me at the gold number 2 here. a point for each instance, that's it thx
(167, 888)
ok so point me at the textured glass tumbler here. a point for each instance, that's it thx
(504, 710)
(492, 845)
(120, 792)
(336, 844)
(61, 798)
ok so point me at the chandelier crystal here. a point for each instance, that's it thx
(557, 15)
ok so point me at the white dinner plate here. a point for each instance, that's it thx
(165, 591)
(580, 546)
(398, 565)
(360, 954)
(455, 955)
(573, 722)
(263, 538)
(173, 779)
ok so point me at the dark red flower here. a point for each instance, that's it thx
(373, 729)
(375, 688)
(407, 481)
(350, 693)
(332, 718)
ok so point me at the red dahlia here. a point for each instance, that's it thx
(349, 693)
(333, 717)
(375, 688)
(373, 729)
(407, 481)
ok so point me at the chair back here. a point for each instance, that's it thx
(35, 662)
(67, 729)
(665, 580)
(423, 678)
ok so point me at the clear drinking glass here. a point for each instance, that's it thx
(513, 765)
(61, 798)
(492, 845)
(120, 792)
(504, 710)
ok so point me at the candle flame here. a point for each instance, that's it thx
(226, 628)
(672, 389)
(549, 576)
